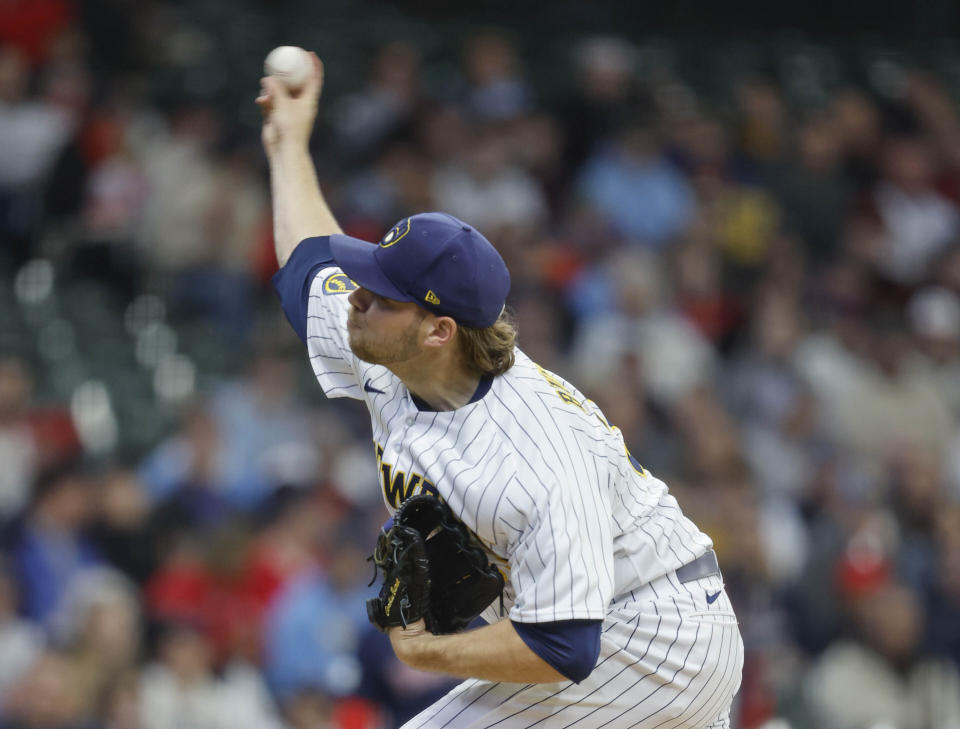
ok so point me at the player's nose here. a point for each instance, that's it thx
(360, 299)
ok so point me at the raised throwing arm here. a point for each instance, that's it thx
(299, 209)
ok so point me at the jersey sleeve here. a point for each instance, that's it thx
(561, 561)
(570, 646)
(313, 294)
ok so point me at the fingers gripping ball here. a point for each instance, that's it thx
(290, 64)
(433, 568)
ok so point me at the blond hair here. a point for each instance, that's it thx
(489, 351)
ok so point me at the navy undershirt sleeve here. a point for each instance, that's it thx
(292, 282)
(570, 646)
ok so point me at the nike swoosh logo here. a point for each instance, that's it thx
(370, 388)
(714, 596)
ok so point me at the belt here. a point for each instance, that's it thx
(703, 566)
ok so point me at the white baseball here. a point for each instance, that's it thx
(290, 64)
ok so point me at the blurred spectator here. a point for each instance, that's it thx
(233, 603)
(266, 437)
(187, 473)
(33, 25)
(235, 450)
(309, 709)
(224, 584)
(395, 186)
(763, 124)
(916, 499)
(290, 545)
(897, 404)
(181, 174)
(213, 585)
(623, 399)
(784, 445)
(833, 356)
(872, 398)
(313, 628)
(714, 452)
(543, 327)
(445, 134)
(48, 548)
(701, 147)
(918, 221)
(33, 437)
(536, 142)
(701, 294)
(881, 666)
(601, 98)
(496, 90)
(98, 625)
(215, 282)
(203, 218)
(34, 131)
(631, 183)
(18, 441)
(946, 270)
(367, 118)
(313, 709)
(813, 192)
(934, 315)
(21, 641)
(860, 129)
(180, 688)
(120, 528)
(45, 697)
(120, 707)
(486, 190)
(733, 212)
(179, 589)
(669, 352)
(943, 596)
(114, 194)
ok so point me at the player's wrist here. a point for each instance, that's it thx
(412, 645)
(285, 156)
(292, 146)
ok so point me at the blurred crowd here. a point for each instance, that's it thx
(764, 298)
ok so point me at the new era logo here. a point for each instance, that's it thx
(431, 298)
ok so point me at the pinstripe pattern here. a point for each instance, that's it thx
(535, 470)
(671, 661)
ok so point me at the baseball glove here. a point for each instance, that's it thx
(433, 568)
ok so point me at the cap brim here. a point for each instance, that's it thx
(357, 259)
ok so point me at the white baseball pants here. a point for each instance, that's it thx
(670, 658)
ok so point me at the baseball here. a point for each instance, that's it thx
(290, 64)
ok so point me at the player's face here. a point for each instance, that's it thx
(381, 330)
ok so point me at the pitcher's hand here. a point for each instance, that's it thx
(287, 118)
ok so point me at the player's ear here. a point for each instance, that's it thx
(440, 330)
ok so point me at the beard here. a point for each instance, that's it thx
(391, 349)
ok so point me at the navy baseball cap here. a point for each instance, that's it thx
(434, 259)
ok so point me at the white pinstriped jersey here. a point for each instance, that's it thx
(532, 467)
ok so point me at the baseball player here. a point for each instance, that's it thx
(614, 609)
